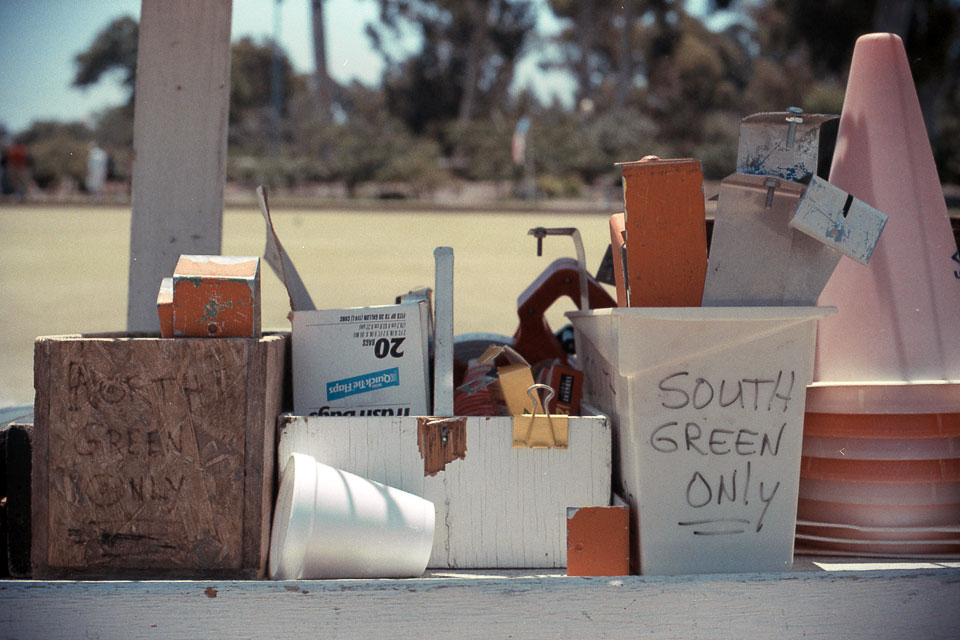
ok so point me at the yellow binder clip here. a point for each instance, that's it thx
(540, 431)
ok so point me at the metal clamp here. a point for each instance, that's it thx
(541, 431)
(541, 232)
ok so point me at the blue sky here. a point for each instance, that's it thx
(39, 39)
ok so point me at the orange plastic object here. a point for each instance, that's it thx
(666, 232)
(882, 426)
(481, 401)
(165, 307)
(533, 339)
(878, 515)
(897, 318)
(217, 296)
(567, 383)
(881, 448)
(912, 549)
(881, 471)
(598, 541)
(914, 397)
(881, 493)
(617, 240)
(863, 535)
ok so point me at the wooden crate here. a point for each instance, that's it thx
(154, 457)
(497, 506)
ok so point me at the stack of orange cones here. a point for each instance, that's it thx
(880, 471)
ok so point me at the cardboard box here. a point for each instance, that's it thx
(497, 506)
(362, 361)
(357, 361)
(154, 457)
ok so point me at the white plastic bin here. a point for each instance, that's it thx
(707, 406)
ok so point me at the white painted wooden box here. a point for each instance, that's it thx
(497, 507)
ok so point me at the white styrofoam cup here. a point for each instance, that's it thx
(332, 524)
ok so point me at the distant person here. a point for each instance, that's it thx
(17, 170)
(97, 161)
(3, 170)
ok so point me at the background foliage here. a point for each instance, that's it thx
(648, 78)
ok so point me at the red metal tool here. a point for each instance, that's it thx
(534, 339)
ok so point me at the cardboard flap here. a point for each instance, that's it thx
(280, 262)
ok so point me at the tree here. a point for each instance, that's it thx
(251, 69)
(114, 48)
(821, 36)
(321, 80)
(598, 47)
(466, 62)
(59, 151)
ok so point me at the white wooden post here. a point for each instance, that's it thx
(180, 143)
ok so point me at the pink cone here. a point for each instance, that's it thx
(899, 317)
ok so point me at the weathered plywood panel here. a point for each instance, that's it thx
(154, 456)
(180, 143)
(497, 506)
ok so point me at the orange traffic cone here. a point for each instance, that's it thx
(880, 465)
(898, 318)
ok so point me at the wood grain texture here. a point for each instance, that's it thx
(154, 457)
(180, 143)
(496, 507)
(666, 232)
(915, 603)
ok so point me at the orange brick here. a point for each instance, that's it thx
(598, 541)
(216, 296)
(666, 232)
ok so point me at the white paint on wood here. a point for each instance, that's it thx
(180, 143)
(497, 507)
(919, 603)
(443, 333)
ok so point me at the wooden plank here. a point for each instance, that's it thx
(40, 477)
(154, 457)
(180, 143)
(666, 232)
(873, 604)
(498, 506)
(265, 372)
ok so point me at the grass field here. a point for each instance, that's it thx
(63, 269)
